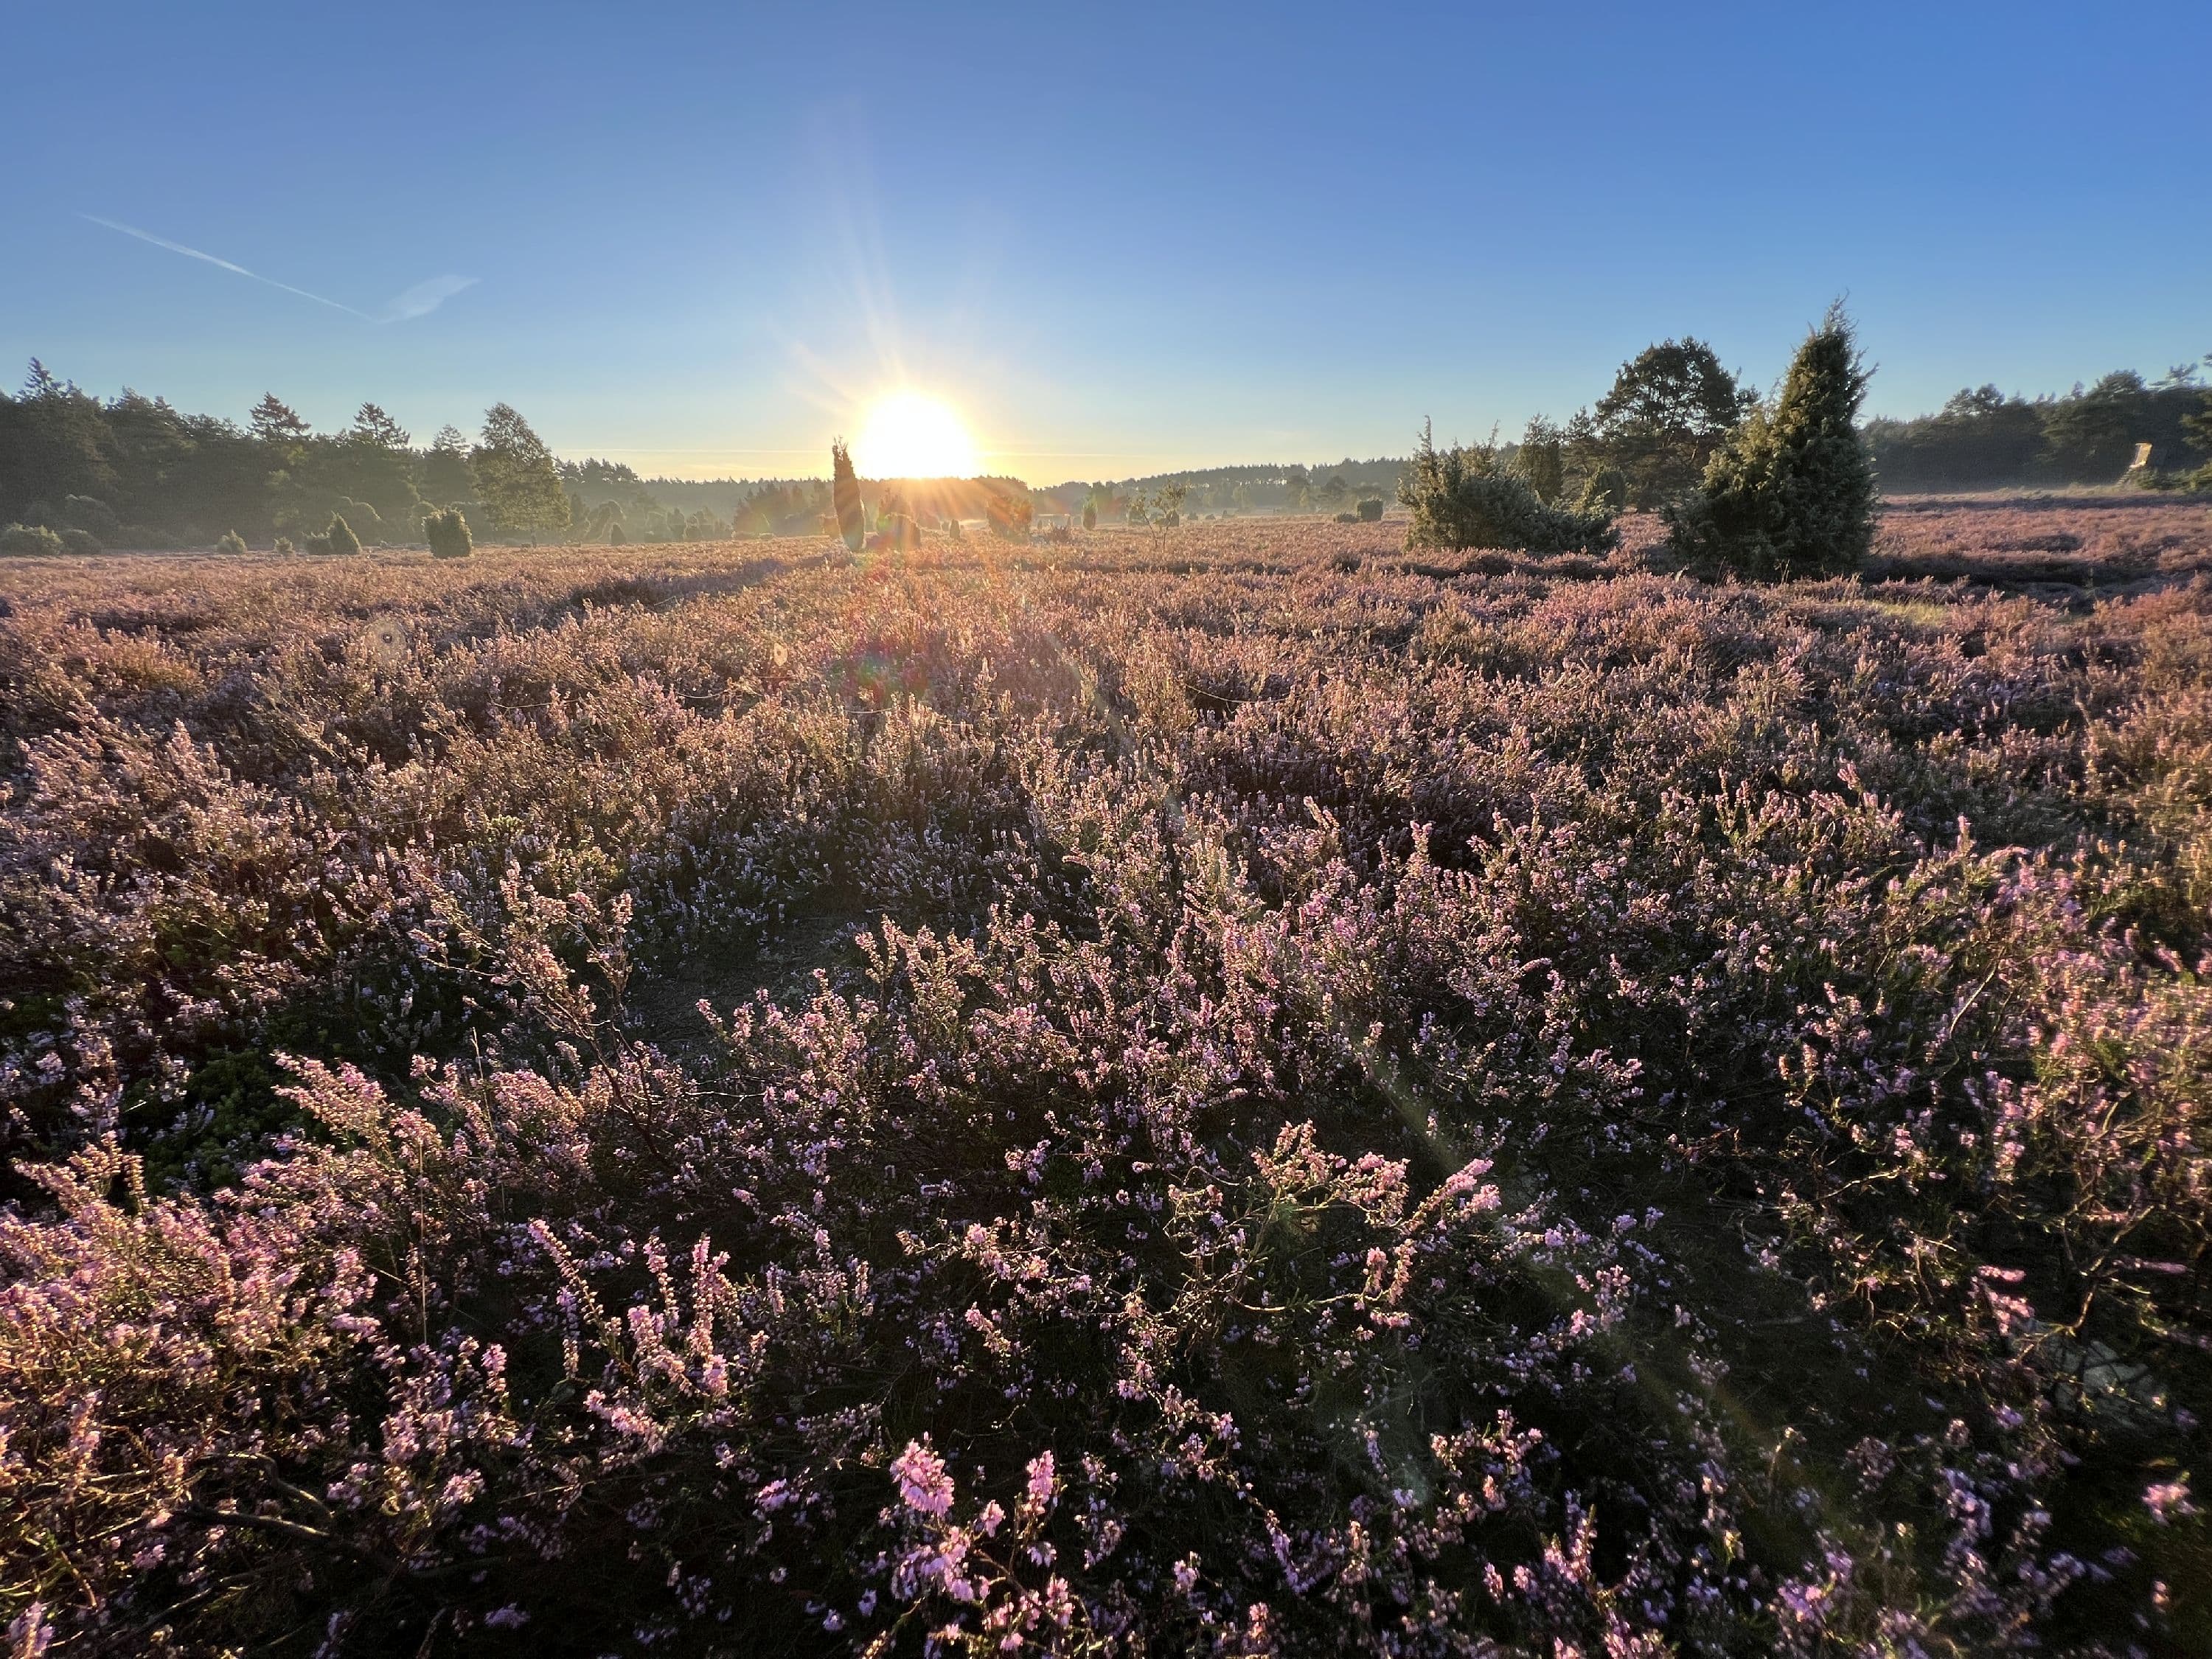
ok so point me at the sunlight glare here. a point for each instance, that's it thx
(910, 435)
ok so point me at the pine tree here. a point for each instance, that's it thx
(845, 495)
(515, 474)
(1792, 494)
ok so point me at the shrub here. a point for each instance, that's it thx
(1371, 510)
(896, 532)
(1542, 459)
(90, 513)
(1792, 493)
(1090, 515)
(1463, 497)
(447, 533)
(339, 538)
(1606, 490)
(1347, 518)
(1011, 512)
(82, 542)
(284, 549)
(32, 540)
(230, 542)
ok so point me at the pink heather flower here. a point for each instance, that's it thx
(1043, 1483)
(2168, 1502)
(507, 1617)
(924, 1486)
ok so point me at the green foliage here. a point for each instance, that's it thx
(1981, 438)
(1793, 493)
(276, 426)
(898, 530)
(82, 542)
(2198, 428)
(53, 444)
(31, 540)
(1605, 490)
(90, 513)
(1090, 515)
(845, 496)
(338, 539)
(1669, 410)
(447, 533)
(362, 517)
(1010, 510)
(1542, 459)
(1464, 497)
(1371, 510)
(515, 474)
(230, 542)
(284, 549)
(441, 473)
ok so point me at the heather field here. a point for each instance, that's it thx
(1232, 1090)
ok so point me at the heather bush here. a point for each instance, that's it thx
(1221, 1094)
(1466, 497)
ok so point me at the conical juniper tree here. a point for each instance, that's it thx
(845, 495)
(1792, 493)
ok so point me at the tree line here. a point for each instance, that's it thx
(135, 471)
(1983, 440)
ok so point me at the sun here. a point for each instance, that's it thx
(910, 435)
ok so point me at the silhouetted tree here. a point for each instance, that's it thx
(845, 496)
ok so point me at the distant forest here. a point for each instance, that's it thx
(134, 471)
(1985, 440)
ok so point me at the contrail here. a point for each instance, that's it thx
(419, 300)
(194, 253)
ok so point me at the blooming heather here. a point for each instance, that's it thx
(1237, 1090)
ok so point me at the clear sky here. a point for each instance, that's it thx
(702, 238)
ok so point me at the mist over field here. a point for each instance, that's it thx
(906, 833)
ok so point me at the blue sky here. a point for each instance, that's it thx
(703, 239)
